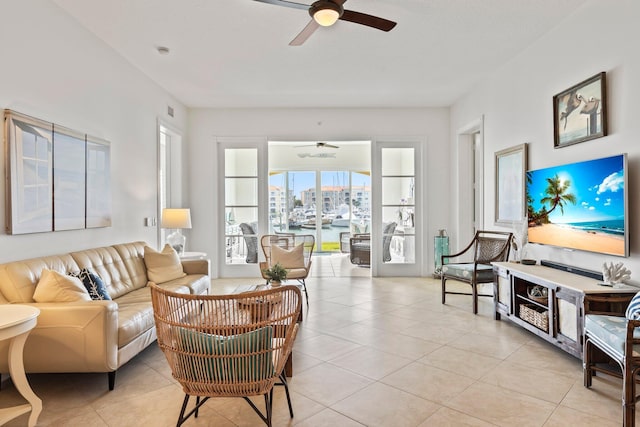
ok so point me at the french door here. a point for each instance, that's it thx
(242, 168)
(331, 205)
(398, 215)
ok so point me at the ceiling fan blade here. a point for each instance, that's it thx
(286, 3)
(368, 20)
(305, 33)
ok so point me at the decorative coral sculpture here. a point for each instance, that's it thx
(615, 273)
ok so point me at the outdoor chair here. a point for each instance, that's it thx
(251, 241)
(360, 249)
(618, 339)
(486, 247)
(293, 252)
(228, 345)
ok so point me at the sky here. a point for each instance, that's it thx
(597, 184)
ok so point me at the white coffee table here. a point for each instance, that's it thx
(16, 321)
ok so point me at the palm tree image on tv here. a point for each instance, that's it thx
(579, 206)
(556, 196)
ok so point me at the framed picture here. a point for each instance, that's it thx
(511, 164)
(57, 178)
(580, 112)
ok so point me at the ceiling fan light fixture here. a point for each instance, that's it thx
(325, 12)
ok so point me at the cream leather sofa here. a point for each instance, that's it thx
(92, 336)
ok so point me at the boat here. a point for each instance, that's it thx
(311, 223)
(344, 216)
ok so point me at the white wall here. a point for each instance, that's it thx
(55, 70)
(517, 106)
(429, 125)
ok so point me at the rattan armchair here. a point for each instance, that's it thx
(293, 252)
(486, 247)
(228, 345)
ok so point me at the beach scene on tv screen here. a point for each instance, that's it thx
(579, 206)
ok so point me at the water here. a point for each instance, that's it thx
(613, 226)
(331, 234)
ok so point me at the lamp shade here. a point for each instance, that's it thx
(325, 12)
(176, 218)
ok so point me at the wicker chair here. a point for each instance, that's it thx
(228, 345)
(617, 338)
(360, 249)
(287, 244)
(486, 247)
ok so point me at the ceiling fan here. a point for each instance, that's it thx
(319, 145)
(326, 12)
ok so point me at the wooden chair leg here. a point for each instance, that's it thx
(587, 370)
(444, 289)
(628, 396)
(474, 295)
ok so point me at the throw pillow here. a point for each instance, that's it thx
(251, 355)
(293, 258)
(163, 266)
(94, 284)
(633, 311)
(56, 287)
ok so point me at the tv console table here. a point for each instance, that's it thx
(558, 318)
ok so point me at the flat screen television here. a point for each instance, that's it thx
(580, 206)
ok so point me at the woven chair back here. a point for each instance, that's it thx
(492, 249)
(227, 345)
(288, 241)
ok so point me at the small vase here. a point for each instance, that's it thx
(275, 284)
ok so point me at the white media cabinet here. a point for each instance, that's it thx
(560, 318)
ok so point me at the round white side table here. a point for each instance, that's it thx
(16, 321)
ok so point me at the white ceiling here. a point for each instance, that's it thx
(235, 53)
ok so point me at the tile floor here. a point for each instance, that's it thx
(372, 352)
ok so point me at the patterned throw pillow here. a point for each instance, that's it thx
(633, 311)
(94, 284)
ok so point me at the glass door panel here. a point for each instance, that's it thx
(241, 205)
(398, 205)
(336, 206)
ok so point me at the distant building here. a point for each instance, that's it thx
(334, 196)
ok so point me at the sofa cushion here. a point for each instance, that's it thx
(93, 283)
(107, 263)
(288, 258)
(197, 284)
(163, 266)
(56, 287)
(135, 313)
(132, 255)
(18, 279)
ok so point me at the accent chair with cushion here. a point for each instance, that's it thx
(485, 248)
(234, 345)
(617, 338)
(250, 235)
(360, 249)
(293, 252)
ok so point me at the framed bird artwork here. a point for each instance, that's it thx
(580, 112)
